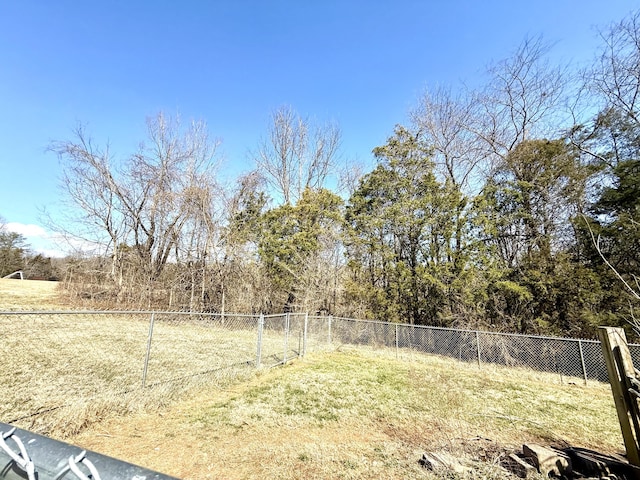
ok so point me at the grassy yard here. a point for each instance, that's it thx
(351, 414)
(63, 371)
(360, 414)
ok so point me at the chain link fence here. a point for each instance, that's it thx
(567, 357)
(61, 370)
(188, 348)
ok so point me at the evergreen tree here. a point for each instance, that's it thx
(296, 246)
(406, 257)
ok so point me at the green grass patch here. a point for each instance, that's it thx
(426, 393)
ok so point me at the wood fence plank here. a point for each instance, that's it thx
(620, 368)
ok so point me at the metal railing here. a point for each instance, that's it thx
(26, 455)
(59, 369)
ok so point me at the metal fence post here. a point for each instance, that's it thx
(148, 354)
(330, 318)
(584, 367)
(304, 334)
(478, 347)
(259, 346)
(222, 310)
(396, 340)
(286, 338)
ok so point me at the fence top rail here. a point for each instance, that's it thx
(37, 456)
(280, 315)
(146, 312)
(125, 312)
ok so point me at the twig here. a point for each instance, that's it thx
(596, 243)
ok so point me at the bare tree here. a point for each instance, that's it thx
(12, 250)
(473, 132)
(611, 84)
(296, 154)
(349, 176)
(92, 193)
(522, 100)
(444, 121)
(164, 181)
(147, 205)
(632, 290)
(615, 75)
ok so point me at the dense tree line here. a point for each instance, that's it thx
(515, 206)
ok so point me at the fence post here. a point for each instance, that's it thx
(330, 318)
(286, 338)
(396, 340)
(620, 369)
(148, 354)
(304, 334)
(478, 347)
(259, 347)
(222, 310)
(584, 368)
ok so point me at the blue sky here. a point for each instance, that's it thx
(363, 64)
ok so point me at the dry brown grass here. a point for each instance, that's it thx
(61, 372)
(30, 295)
(360, 415)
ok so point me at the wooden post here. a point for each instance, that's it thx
(620, 370)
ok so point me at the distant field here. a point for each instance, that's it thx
(29, 295)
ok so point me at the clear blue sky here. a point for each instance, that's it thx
(362, 64)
